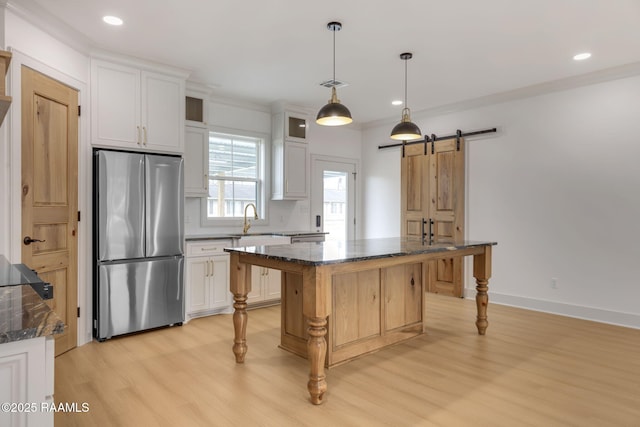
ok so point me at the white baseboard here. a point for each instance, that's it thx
(580, 312)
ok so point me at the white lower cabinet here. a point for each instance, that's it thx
(265, 286)
(207, 279)
(26, 382)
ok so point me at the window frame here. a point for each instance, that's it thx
(263, 183)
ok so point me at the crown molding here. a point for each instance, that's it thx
(240, 103)
(143, 64)
(43, 20)
(568, 83)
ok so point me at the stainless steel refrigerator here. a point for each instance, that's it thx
(138, 242)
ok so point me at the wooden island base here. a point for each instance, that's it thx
(333, 312)
(370, 310)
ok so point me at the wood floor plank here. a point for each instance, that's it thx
(531, 369)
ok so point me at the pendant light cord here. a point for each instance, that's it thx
(405, 83)
(334, 56)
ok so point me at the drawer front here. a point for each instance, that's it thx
(208, 248)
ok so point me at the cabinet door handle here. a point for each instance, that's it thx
(206, 182)
(139, 136)
(211, 274)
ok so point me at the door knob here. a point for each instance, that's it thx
(28, 240)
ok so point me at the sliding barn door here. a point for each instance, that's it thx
(414, 198)
(432, 181)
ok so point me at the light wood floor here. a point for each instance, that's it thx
(531, 369)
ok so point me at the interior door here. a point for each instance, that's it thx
(432, 202)
(50, 193)
(414, 199)
(446, 210)
(333, 198)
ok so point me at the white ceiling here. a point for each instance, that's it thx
(264, 51)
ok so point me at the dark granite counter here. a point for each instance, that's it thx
(23, 313)
(224, 236)
(334, 252)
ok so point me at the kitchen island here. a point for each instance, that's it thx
(355, 296)
(27, 327)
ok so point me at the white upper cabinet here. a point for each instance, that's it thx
(136, 109)
(290, 157)
(196, 160)
(295, 127)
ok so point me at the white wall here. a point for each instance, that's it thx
(36, 49)
(282, 215)
(556, 187)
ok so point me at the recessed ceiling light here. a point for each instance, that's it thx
(396, 102)
(582, 56)
(112, 20)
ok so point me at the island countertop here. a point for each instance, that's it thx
(334, 252)
(23, 313)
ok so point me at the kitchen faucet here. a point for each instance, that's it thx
(247, 224)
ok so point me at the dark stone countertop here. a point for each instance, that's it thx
(335, 252)
(225, 236)
(23, 314)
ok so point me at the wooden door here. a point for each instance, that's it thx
(446, 210)
(50, 193)
(414, 197)
(432, 199)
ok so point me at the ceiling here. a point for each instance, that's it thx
(265, 51)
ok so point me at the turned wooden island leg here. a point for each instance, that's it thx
(317, 351)
(316, 308)
(240, 286)
(482, 273)
(240, 327)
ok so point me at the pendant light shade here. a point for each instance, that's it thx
(334, 113)
(406, 130)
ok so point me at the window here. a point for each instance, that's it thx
(235, 175)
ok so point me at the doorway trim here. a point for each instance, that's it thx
(357, 198)
(14, 148)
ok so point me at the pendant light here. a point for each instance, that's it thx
(406, 130)
(334, 113)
